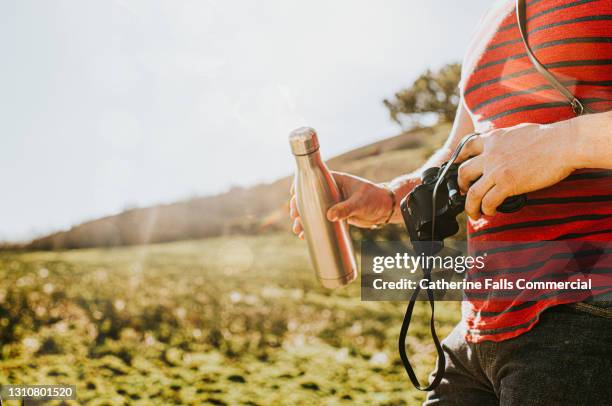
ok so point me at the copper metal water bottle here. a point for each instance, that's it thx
(329, 243)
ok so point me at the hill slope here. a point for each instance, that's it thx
(229, 213)
(186, 323)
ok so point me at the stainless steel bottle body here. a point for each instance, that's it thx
(329, 243)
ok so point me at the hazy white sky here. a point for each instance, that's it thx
(108, 104)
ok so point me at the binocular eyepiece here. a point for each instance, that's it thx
(417, 207)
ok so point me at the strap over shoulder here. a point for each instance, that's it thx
(521, 17)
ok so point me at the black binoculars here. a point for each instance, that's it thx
(418, 208)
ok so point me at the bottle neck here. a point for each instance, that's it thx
(308, 161)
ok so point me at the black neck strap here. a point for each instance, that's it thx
(521, 17)
(439, 372)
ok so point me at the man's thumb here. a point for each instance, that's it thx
(341, 210)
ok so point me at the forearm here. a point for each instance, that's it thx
(402, 185)
(590, 140)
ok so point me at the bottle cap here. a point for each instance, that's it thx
(303, 141)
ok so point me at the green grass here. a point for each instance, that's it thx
(220, 321)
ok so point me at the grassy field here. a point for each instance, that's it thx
(219, 321)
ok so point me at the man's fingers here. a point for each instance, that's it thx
(471, 148)
(469, 172)
(475, 194)
(492, 200)
(342, 210)
(293, 211)
(297, 226)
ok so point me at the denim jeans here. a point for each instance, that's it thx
(566, 359)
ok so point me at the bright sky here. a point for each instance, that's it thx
(108, 104)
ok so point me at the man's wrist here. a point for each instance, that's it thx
(401, 187)
(591, 136)
(578, 135)
(392, 206)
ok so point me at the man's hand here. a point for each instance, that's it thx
(364, 203)
(511, 161)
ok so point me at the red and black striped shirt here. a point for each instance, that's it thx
(501, 88)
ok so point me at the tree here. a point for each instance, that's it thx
(433, 92)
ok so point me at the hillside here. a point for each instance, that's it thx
(221, 321)
(229, 213)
